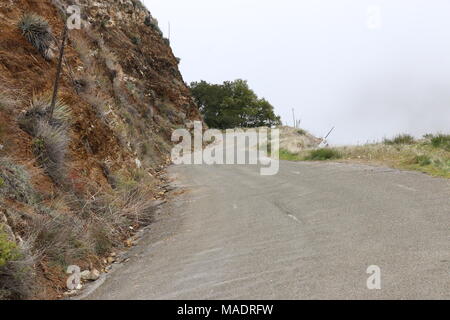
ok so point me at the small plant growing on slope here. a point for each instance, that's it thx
(153, 23)
(38, 32)
(50, 146)
(441, 141)
(39, 111)
(15, 182)
(16, 268)
(423, 160)
(51, 137)
(8, 249)
(7, 101)
(323, 154)
(400, 139)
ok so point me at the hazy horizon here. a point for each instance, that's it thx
(321, 58)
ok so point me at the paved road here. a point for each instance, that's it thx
(309, 232)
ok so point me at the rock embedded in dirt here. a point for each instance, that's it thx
(94, 275)
(91, 275)
(129, 243)
(85, 275)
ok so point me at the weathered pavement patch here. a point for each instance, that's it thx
(309, 232)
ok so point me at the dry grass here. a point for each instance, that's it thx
(15, 182)
(6, 101)
(90, 225)
(421, 156)
(10, 95)
(429, 155)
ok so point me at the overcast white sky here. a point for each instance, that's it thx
(321, 58)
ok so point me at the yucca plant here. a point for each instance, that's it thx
(50, 146)
(38, 32)
(39, 111)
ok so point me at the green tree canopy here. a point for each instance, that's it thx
(232, 105)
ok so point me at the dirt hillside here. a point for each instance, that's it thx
(73, 192)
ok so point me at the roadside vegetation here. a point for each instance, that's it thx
(81, 162)
(430, 155)
(74, 227)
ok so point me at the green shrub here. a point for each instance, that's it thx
(8, 249)
(153, 23)
(400, 139)
(16, 270)
(38, 32)
(323, 154)
(136, 40)
(423, 160)
(289, 156)
(441, 141)
(301, 132)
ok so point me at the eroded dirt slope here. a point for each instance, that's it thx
(125, 94)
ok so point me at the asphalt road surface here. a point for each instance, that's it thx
(309, 232)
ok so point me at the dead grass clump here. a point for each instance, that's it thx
(102, 105)
(60, 238)
(6, 101)
(111, 214)
(84, 51)
(15, 182)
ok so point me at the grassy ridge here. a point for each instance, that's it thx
(430, 155)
